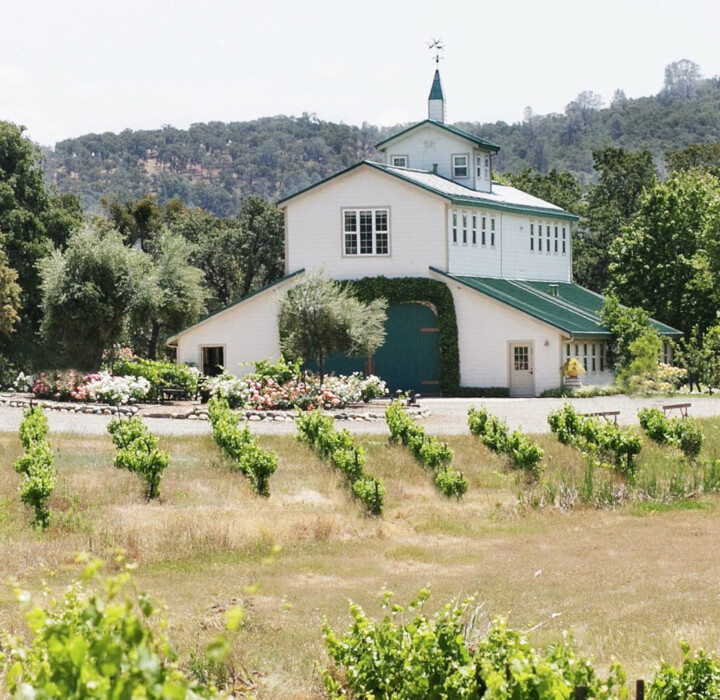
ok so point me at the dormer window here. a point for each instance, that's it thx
(460, 167)
(399, 161)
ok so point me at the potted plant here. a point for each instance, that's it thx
(573, 368)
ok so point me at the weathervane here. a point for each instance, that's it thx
(438, 46)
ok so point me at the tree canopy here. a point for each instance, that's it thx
(318, 317)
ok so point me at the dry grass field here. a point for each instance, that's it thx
(628, 581)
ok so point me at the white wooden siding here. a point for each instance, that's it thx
(248, 331)
(486, 327)
(315, 227)
(511, 257)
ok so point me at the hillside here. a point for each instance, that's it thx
(213, 165)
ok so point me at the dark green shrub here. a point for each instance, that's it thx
(159, 374)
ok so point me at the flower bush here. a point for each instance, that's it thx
(266, 391)
(101, 387)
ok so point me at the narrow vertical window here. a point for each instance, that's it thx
(539, 238)
(479, 167)
(564, 241)
(594, 346)
(602, 357)
(454, 227)
(487, 168)
(484, 229)
(532, 236)
(464, 220)
(556, 239)
(474, 229)
(585, 357)
(492, 231)
(547, 239)
(351, 233)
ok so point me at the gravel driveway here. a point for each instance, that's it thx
(447, 416)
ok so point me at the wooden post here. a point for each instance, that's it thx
(581, 692)
(640, 690)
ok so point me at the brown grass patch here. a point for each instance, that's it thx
(629, 584)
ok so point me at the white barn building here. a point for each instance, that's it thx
(431, 212)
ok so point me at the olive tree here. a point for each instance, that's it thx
(318, 317)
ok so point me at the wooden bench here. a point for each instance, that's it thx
(604, 414)
(167, 393)
(682, 407)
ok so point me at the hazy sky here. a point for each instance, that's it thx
(78, 66)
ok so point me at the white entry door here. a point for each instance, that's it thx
(522, 380)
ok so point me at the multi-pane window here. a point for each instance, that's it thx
(492, 230)
(474, 229)
(460, 166)
(564, 240)
(483, 233)
(547, 239)
(521, 359)
(399, 161)
(556, 239)
(366, 231)
(592, 355)
(532, 236)
(454, 227)
(540, 238)
(465, 227)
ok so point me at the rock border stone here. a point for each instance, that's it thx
(198, 412)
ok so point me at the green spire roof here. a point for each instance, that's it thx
(436, 92)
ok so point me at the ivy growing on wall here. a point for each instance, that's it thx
(421, 289)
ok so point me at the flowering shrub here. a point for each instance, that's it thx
(104, 388)
(265, 392)
(57, 385)
(24, 382)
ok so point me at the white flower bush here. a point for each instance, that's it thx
(24, 382)
(105, 388)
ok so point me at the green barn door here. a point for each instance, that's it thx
(409, 359)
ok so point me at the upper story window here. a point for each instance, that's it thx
(555, 239)
(465, 227)
(399, 161)
(366, 231)
(482, 167)
(492, 231)
(460, 167)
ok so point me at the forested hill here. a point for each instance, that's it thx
(213, 165)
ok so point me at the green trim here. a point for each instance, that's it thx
(489, 145)
(170, 338)
(419, 289)
(575, 310)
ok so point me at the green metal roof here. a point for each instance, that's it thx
(173, 337)
(482, 143)
(503, 197)
(563, 305)
(436, 92)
